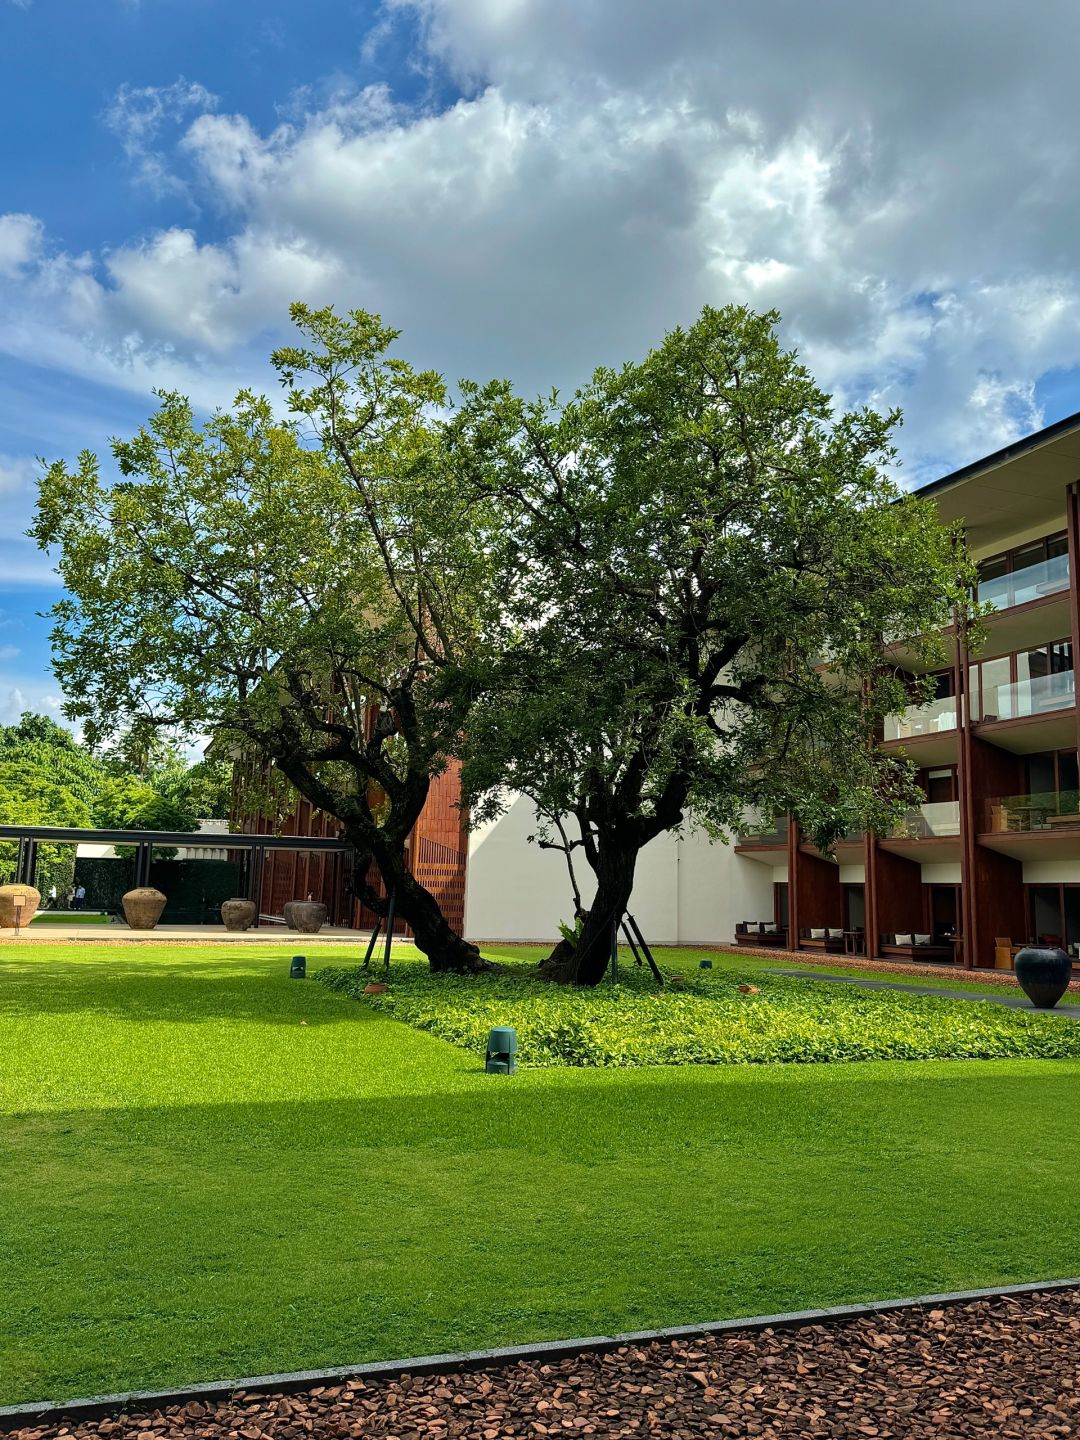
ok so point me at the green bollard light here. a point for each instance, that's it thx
(705, 965)
(501, 1056)
(298, 968)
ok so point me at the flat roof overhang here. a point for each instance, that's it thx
(202, 840)
(1018, 489)
(1034, 844)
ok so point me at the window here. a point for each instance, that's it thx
(939, 785)
(1027, 683)
(1027, 572)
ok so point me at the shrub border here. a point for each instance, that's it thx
(14, 1417)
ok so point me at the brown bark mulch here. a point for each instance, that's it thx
(1004, 1368)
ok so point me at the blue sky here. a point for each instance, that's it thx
(526, 187)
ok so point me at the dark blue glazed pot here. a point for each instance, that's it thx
(1044, 973)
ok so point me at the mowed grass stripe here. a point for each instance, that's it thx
(212, 1170)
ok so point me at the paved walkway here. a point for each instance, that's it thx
(1011, 1002)
(119, 934)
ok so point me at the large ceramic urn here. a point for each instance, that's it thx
(1044, 972)
(12, 913)
(143, 907)
(238, 914)
(307, 916)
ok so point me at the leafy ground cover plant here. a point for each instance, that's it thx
(709, 1020)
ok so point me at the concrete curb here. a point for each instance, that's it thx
(15, 1417)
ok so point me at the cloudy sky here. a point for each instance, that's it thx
(527, 187)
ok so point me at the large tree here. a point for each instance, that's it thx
(292, 599)
(712, 572)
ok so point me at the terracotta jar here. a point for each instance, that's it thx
(238, 914)
(31, 899)
(307, 916)
(143, 907)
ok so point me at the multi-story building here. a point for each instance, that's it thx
(991, 858)
(987, 861)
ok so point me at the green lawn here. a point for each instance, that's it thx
(79, 917)
(211, 1170)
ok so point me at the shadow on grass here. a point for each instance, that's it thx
(190, 991)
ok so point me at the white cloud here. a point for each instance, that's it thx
(20, 242)
(17, 473)
(138, 114)
(899, 185)
(8, 652)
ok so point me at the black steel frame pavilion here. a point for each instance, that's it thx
(254, 848)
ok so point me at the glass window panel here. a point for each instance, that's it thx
(1041, 774)
(1057, 545)
(992, 698)
(1025, 555)
(780, 893)
(1072, 918)
(943, 910)
(1068, 772)
(1061, 657)
(1032, 664)
(939, 786)
(1046, 913)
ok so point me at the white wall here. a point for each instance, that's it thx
(941, 874)
(1051, 872)
(687, 891)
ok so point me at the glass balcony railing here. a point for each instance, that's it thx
(1049, 811)
(763, 832)
(916, 720)
(1046, 577)
(933, 820)
(1039, 696)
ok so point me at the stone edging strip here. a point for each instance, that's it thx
(14, 1417)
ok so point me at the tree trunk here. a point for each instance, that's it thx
(413, 903)
(615, 881)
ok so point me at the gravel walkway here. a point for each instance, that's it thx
(1004, 1368)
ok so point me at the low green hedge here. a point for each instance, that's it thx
(707, 1022)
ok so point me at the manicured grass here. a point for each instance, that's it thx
(724, 1015)
(46, 917)
(212, 1170)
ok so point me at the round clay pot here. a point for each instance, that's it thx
(31, 900)
(238, 914)
(307, 916)
(143, 907)
(1044, 972)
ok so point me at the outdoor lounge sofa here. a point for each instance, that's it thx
(820, 937)
(913, 946)
(760, 932)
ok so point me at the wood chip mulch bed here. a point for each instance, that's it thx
(1003, 1368)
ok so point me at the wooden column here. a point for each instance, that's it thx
(793, 883)
(1072, 530)
(870, 891)
(966, 797)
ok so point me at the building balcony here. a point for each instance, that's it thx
(918, 720)
(1031, 715)
(928, 731)
(764, 840)
(1043, 826)
(761, 832)
(929, 832)
(1021, 587)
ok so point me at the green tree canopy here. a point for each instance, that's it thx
(693, 537)
(293, 601)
